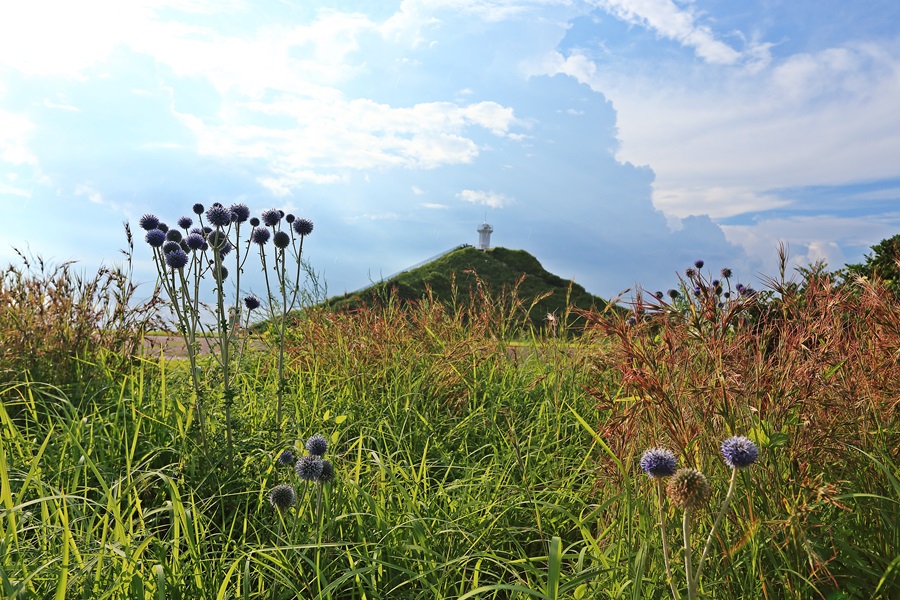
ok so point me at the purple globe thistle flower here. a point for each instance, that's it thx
(688, 489)
(286, 459)
(155, 238)
(185, 222)
(282, 497)
(260, 236)
(176, 259)
(226, 249)
(658, 462)
(289, 218)
(726, 295)
(697, 290)
(309, 467)
(221, 274)
(690, 272)
(303, 226)
(217, 239)
(207, 230)
(163, 227)
(659, 295)
(198, 209)
(698, 264)
(149, 222)
(739, 287)
(673, 294)
(739, 452)
(748, 291)
(726, 273)
(241, 212)
(170, 246)
(327, 475)
(281, 240)
(195, 241)
(715, 283)
(173, 235)
(218, 215)
(280, 214)
(271, 217)
(317, 444)
(184, 246)
(254, 222)
(251, 302)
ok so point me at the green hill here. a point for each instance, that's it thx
(498, 269)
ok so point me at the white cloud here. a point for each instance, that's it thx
(15, 130)
(491, 198)
(435, 206)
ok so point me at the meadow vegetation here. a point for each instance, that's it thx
(472, 457)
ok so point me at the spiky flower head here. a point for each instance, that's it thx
(658, 295)
(254, 222)
(286, 459)
(251, 302)
(739, 452)
(282, 496)
(163, 227)
(226, 249)
(289, 218)
(198, 209)
(726, 273)
(149, 222)
(698, 264)
(185, 222)
(688, 489)
(217, 239)
(303, 226)
(740, 287)
(240, 212)
(673, 294)
(218, 215)
(260, 236)
(271, 217)
(309, 467)
(155, 238)
(195, 241)
(173, 235)
(281, 240)
(170, 246)
(317, 444)
(177, 259)
(690, 272)
(327, 475)
(658, 462)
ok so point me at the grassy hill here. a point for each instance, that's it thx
(500, 271)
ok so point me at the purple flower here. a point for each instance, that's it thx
(155, 238)
(241, 212)
(173, 235)
(271, 217)
(218, 215)
(194, 241)
(185, 222)
(698, 264)
(658, 462)
(149, 222)
(303, 226)
(260, 236)
(251, 302)
(286, 458)
(327, 475)
(177, 259)
(282, 497)
(170, 246)
(739, 452)
(309, 467)
(317, 444)
(281, 240)
(198, 209)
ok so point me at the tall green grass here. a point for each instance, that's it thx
(466, 468)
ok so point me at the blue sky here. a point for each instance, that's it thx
(616, 140)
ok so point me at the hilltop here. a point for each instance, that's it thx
(498, 269)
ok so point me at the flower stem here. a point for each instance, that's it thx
(665, 542)
(686, 526)
(719, 515)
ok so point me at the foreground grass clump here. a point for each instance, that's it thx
(466, 468)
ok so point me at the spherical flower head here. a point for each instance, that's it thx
(282, 497)
(317, 444)
(240, 212)
(163, 227)
(286, 459)
(281, 240)
(658, 295)
(631, 321)
(254, 222)
(740, 287)
(327, 475)
(194, 241)
(289, 218)
(221, 274)
(176, 259)
(260, 236)
(697, 290)
(271, 217)
(173, 235)
(303, 226)
(690, 272)
(698, 264)
(218, 216)
(309, 467)
(155, 238)
(726, 273)
(170, 246)
(739, 452)
(673, 294)
(251, 302)
(185, 222)
(198, 209)
(149, 222)
(688, 489)
(226, 249)
(658, 462)
(217, 240)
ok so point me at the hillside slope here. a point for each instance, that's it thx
(499, 269)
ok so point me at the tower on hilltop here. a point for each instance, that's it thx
(484, 236)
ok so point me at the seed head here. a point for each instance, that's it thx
(688, 489)
(303, 227)
(690, 272)
(309, 467)
(658, 462)
(739, 452)
(726, 273)
(282, 496)
(149, 222)
(317, 445)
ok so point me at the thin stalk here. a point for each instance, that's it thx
(719, 515)
(688, 567)
(665, 543)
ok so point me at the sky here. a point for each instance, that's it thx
(617, 141)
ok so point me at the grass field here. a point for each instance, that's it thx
(462, 470)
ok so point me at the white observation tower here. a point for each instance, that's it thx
(484, 236)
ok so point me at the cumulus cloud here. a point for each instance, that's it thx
(491, 198)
